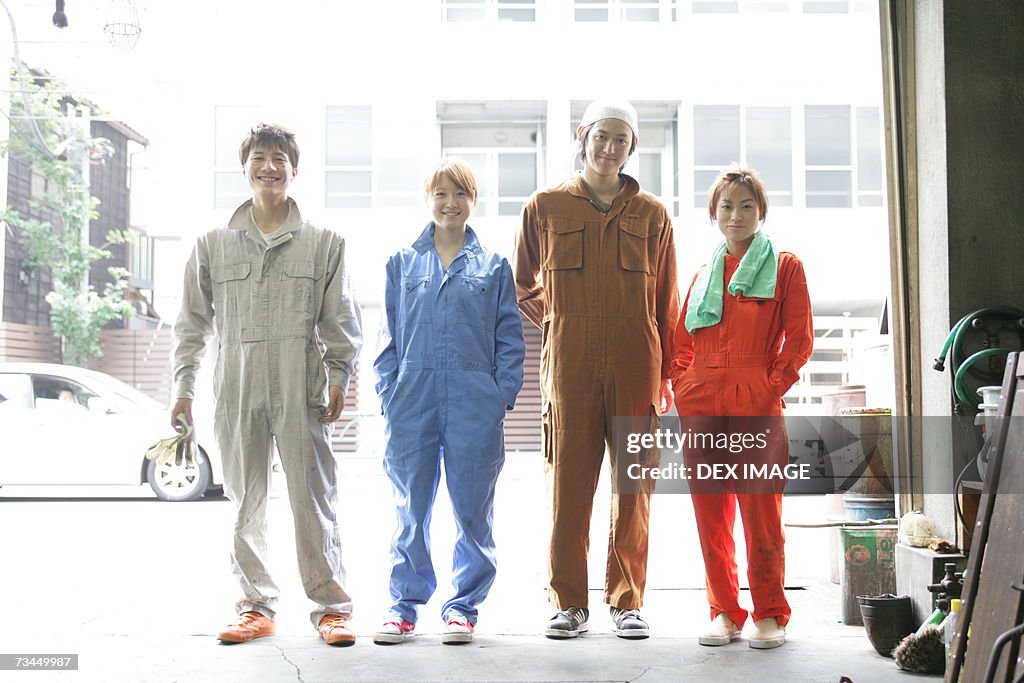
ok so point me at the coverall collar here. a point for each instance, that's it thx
(425, 243)
(630, 189)
(242, 219)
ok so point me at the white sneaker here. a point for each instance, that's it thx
(721, 632)
(767, 634)
(394, 630)
(457, 630)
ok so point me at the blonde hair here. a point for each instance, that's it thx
(458, 171)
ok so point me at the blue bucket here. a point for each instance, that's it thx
(864, 507)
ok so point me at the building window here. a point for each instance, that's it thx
(505, 178)
(38, 186)
(485, 10)
(826, 6)
(399, 182)
(591, 10)
(870, 185)
(502, 143)
(736, 6)
(141, 263)
(231, 125)
(843, 156)
(754, 137)
(349, 157)
(624, 10)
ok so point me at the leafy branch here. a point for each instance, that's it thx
(54, 241)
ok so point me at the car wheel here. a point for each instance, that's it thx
(175, 481)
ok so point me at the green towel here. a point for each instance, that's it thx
(755, 277)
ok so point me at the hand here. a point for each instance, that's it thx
(182, 407)
(666, 396)
(335, 401)
(179, 449)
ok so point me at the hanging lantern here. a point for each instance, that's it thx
(122, 27)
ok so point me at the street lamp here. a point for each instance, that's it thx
(122, 27)
(60, 20)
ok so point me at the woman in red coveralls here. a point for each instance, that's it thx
(745, 332)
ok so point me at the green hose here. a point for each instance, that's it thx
(958, 379)
(954, 340)
(940, 362)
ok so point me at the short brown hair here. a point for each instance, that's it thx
(744, 176)
(273, 136)
(458, 171)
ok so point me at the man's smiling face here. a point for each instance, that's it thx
(269, 171)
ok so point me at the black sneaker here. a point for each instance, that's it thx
(568, 623)
(629, 624)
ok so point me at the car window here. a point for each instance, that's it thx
(127, 397)
(50, 392)
(15, 391)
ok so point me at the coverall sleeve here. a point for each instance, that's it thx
(509, 345)
(797, 325)
(667, 304)
(340, 323)
(682, 350)
(194, 325)
(529, 288)
(386, 365)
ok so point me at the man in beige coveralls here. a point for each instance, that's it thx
(273, 289)
(595, 269)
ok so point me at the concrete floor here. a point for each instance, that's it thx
(137, 588)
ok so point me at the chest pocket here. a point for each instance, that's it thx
(638, 245)
(563, 244)
(472, 297)
(297, 282)
(231, 294)
(414, 306)
(759, 315)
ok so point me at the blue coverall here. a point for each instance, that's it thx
(452, 359)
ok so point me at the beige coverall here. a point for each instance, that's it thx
(286, 327)
(602, 288)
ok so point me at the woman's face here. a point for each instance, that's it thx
(449, 204)
(737, 214)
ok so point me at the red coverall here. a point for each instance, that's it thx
(724, 376)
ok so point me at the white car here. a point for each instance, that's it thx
(65, 425)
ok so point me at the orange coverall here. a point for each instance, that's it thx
(724, 377)
(602, 288)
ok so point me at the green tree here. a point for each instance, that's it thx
(55, 145)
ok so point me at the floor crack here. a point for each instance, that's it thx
(298, 672)
(642, 674)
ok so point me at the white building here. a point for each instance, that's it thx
(377, 92)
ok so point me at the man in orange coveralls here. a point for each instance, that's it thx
(738, 349)
(595, 269)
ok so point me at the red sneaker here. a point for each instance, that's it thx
(458, 630)
(247, 626)
(334, 630)
(393, 631)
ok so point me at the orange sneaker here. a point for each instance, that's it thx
(334, 630)
(247, 626)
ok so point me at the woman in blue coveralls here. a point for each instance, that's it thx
(451, 365)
